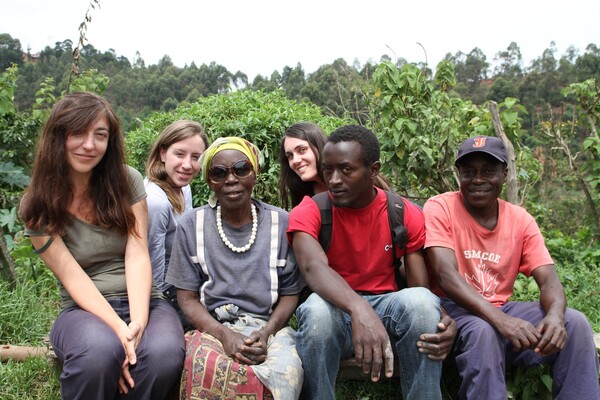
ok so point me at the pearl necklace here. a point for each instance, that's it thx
(252, 235)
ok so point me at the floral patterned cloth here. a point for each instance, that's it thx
(208, 372)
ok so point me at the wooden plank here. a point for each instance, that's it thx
(20, 353)
(351, 371)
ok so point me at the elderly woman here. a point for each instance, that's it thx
(237, 284)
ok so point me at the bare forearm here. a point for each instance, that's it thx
(139, 284)
(138, 271)
(416, 270)
(138, 277)
(328, 284)
(465, 296)
(552, 294)
(445, 269)
(322, 279)
(198, 316)
(281, 314)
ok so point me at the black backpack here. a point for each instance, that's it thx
(395, 206)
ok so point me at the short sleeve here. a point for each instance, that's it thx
(415, 226)
(437, 224)
(136, 182)
(305, 217)
(535, 253)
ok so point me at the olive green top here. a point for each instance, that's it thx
(100, 251)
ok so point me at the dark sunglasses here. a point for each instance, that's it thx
(219, 173)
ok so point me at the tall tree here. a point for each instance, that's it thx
(471, 69)
(588, 65)
(293, 81)
(509, 63)
(339, 89)
(10, 51)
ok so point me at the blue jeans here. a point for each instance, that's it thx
(482, 353)
(92, 354)
(325, 336)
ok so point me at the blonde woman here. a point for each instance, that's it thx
(172, 164)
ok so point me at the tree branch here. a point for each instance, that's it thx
(512, 192)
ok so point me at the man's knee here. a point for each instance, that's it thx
(479, 333)
(317, 318)
(577, 325)
(420, 304)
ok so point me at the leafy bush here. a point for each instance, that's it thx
(420, 127)
(258, 117)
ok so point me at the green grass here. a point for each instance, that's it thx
(34, 379)
(27, 313)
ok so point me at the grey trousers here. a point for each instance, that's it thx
(482, 354)
(92, 354)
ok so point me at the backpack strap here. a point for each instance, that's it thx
(324, 202)
(395, 206)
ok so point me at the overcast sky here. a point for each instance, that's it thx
(258, 37)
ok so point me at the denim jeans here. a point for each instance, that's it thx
(325, 336)
(92, 354)
(482, 353)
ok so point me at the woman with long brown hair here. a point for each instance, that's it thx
(85, 212)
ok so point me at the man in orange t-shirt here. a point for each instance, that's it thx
(476, 245)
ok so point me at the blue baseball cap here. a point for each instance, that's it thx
(484, 144)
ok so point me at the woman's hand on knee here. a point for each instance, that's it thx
(136, 331)
(125, 380)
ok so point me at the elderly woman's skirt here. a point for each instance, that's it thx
(209, 373)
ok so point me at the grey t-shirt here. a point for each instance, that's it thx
(162, 223)
(252, 280)
(100, 251)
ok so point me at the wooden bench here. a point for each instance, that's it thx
(350, 370)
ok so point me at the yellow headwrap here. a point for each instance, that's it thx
(230, 143)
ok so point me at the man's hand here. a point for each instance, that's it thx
(554, 335)
(372, 347)
(438, 345)
(522, 334)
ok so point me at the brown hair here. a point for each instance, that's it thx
(46, 200)
(155, 168)
(290, 184)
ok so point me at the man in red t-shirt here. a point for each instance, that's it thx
(476, 245)
(356, 308)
